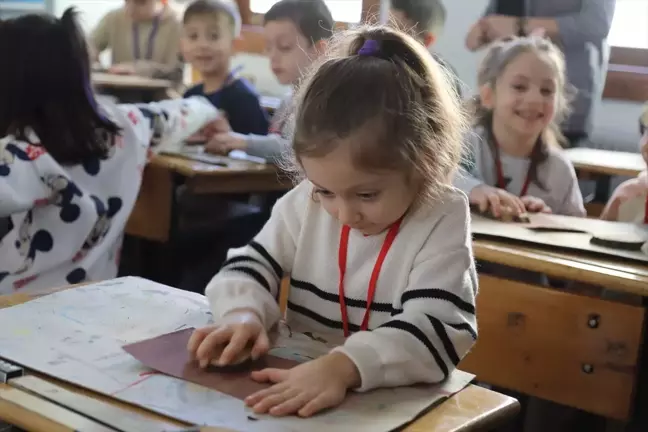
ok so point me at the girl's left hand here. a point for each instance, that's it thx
(535, 205)
(223, 143)
(305, 389)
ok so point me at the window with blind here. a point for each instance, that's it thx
(630, 25)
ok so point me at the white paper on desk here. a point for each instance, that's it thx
(77, 335)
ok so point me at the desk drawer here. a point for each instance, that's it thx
(571, 349)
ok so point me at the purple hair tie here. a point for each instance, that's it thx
(369, 48)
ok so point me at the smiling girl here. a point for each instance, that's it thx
(516, 140)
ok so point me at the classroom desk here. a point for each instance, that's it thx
(154, 213)
(473, 409)
(128, 82)
(601, 165)
(579, 346)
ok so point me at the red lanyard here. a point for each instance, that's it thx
(500, 176)
(342, 260)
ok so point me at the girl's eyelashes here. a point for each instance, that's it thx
(368, 196)
(324, 193)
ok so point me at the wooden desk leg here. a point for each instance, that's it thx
(602, 190)
(639, 419)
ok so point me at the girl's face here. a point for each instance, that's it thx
(524, 98)
(366, 201)
(290, 53)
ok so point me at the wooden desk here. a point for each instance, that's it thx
(153, 215)
(473, 409)
(606, 162)
(128, 82)
(577, 347)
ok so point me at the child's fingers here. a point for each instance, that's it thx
(270, 374)
(315, 405)
(237, 342)
(197, 337)
(213, 340)
(494, 204)
(257, 397)
(272, 400)
(291, 405)
(261, 345)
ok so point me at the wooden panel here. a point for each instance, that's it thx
(537, 341)
(15, 401)
(460, 412)
(251, 40)
(242, 183)
(626, 83)
(629, 56)
(613, 274)
(151, 216)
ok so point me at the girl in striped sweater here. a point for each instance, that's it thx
(375, 238)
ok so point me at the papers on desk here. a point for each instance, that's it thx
(77, 336)
(564, 232)
(197, 152)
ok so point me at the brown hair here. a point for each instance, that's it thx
(396, 102)
(208, 8)
(499, 56)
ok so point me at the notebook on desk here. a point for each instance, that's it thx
(566, 233)
(78, 335)
(196, 151)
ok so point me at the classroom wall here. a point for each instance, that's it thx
(616, 121)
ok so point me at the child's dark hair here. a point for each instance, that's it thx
(428, 15)
(45, 88)
(205, 8)
(312, 17)
(497, 59)
(382, 89)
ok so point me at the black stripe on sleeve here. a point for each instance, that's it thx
(264, 253)
(464, 327)
(253, 274)
(438, 294)
(440, 330)
(319, 318)
(418, 334)
(241, 258)
(335, 298)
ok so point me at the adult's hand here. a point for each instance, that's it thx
(500, 26)
(477, 36)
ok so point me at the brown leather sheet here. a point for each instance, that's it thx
(168, 354)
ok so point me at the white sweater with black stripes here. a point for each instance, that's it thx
(422, 319)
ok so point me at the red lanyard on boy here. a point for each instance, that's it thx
(342, 261)
(151, 39)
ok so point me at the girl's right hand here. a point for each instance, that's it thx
(235, 331)
(498, 200)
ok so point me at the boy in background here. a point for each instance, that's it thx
(143, 36)
(295, 32)
(209, 30)
(424, 20)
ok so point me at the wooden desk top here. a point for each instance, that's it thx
(606, 162)
(612, 273)
(473, 409)
(191, 168)
(102, 79)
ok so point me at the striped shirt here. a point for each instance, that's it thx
(422, 320)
